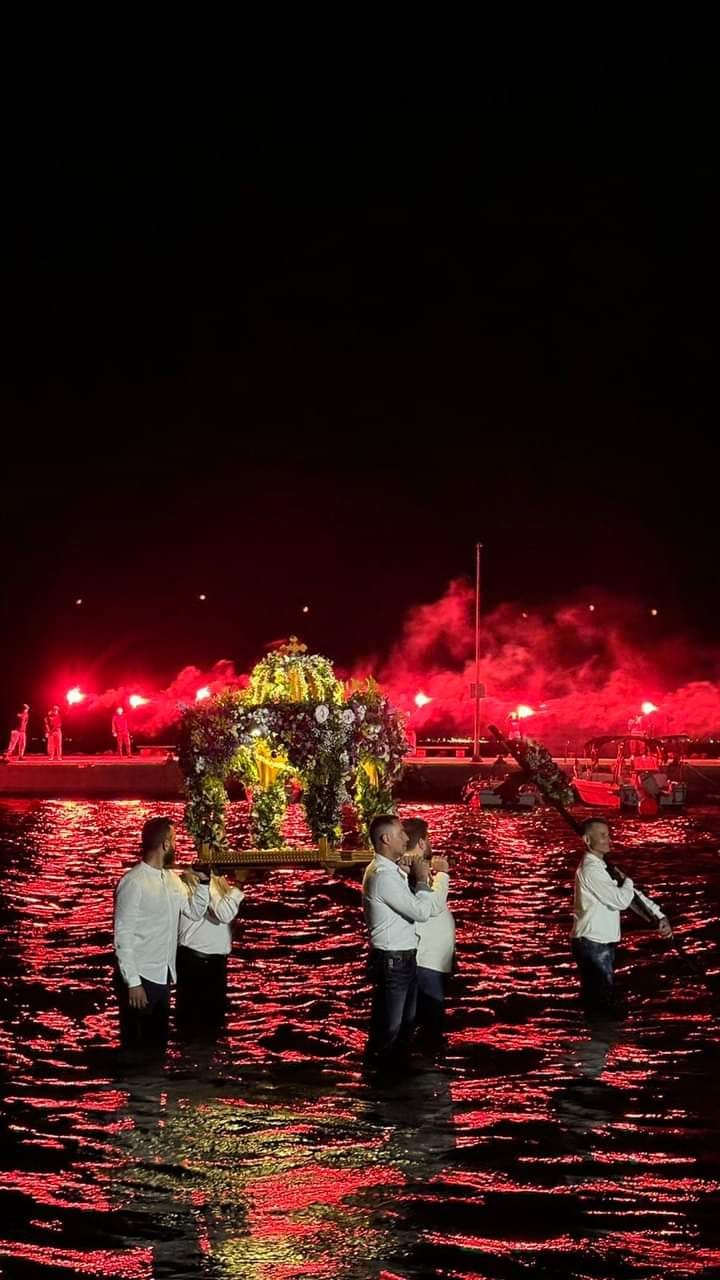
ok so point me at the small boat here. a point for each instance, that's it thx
(638, 780)
(510, 792)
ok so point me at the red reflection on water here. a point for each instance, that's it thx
(619, 1129)
(275, 1198)
(129, 1264)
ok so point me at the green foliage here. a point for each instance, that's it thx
(294, 721)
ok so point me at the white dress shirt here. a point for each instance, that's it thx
(212, 936)
(148, 906)
(599, 901)
(436, 936)
(391, 908)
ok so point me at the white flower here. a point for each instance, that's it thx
(348, 716)
(344, 759)
(361, 712)
(321, 713)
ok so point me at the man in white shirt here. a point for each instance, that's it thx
(149, 901)
(18, 737)
(436, 940)
(202, 956)
(598, 901)
(391, 911)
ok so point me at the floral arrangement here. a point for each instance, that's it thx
(541, 768)
(295, 721)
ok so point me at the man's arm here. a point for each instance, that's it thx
(396, 893)
(652, 910)
(127, 902)
(616, 896)
(644, 907)
(195, 899)
(441, 882)
(224, 906)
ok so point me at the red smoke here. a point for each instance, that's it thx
(164, 707)
(582, 671)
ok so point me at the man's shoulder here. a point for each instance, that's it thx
(592, 866)
(135, 870)
(131, 876)
(371, 871)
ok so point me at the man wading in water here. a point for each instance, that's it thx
(599, 899)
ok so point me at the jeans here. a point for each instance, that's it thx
(144, 1029)
(431, 1006)
(393, 975)
(200, 995)
(596, 964)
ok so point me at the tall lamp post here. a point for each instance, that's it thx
(476, 687)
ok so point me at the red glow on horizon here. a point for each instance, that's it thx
(647, 708)
(74, 696)
(136, 700)
(202, 694)
(421, 699)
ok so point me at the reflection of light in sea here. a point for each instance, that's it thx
(270, 1159)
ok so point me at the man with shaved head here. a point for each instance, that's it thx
(598, 901)
(391, 912)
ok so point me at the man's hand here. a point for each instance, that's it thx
(440, 864)
(664, 927)
(137, 997)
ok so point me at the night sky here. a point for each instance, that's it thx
(286, 350)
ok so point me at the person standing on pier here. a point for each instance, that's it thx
(391, 912)
(149, 901)
(202, 958)
(121, 732)
(436, 939)
(18, 737)
(53, 733)
(598, 901)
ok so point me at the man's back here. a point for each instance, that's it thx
(436, 936)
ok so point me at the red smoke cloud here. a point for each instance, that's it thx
(583, 672)
(165, 706)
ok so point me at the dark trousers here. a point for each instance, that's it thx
(431, 1007)
(393, 975)
(596, 966)
(201, 994)
(144, 1029)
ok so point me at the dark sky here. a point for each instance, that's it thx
(283, 349)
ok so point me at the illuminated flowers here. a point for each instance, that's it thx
(334, 741)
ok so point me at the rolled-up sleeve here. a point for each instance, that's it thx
(127, 903)
(599, 882)
(224, 906)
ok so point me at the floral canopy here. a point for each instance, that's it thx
(295, 721)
